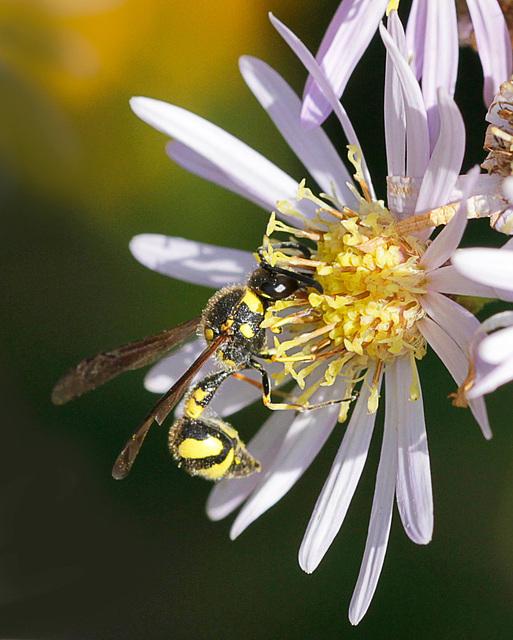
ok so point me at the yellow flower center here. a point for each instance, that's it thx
(367, 314)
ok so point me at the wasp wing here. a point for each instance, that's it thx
(93, 372)
(160, 412)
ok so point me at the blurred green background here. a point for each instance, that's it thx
(83, 556)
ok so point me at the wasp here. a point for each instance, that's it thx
(201, 443)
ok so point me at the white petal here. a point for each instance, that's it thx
(192, 261)
(445, 163)
(493, 267)
(498, 376)
(313, 148)
(416, 118)
(313, 68)
(446, 242)
(348, 35)
(416, 35)
(228, 494)
(336, 495)
(303, 441)
(395, 117)
(493, 43)
(498, 346)
(379, 526)
(440, 59)
(414, 492)
(448, 280)
(457, 364)
(246, 168)
(200, 166)
(162, 376)
(458, 321)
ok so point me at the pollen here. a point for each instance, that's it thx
(368, 312)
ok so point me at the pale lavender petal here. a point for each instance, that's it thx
(336, 495)
(162, 376)
(499, 375)
(493, 267)
(457, 364)
(228, 494)
(448, 280)
(458, 321)
(312, 67)
(447, 241)
(414, 492)
(344, 43)
(493, 43)
(200, 166)
(416, 118)
(313, 148)
(498, 346)
(445, 164)
(395, 117)
(380, 521)
(416, 35)
(191, 261)
(303, 441)
(440, 59)
(246, 168)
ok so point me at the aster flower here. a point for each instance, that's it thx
(383, 302)
(432, 46)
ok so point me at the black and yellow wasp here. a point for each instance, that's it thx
(203, 445)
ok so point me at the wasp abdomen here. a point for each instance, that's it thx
(210, 448)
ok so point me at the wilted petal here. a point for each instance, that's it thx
(303, 441)
(229, 493)
(414, 493)
(380, 521)
(337, 493)
(348, 35)
(248, 169)
(313, 148)
(192, 261)
(493, 43)
(457, 365)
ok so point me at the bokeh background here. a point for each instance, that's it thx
(85, 557)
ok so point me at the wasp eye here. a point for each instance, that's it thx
(279, 286)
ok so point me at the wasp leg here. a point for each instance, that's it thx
(201, 394)
(299, 246)
(281, 406)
